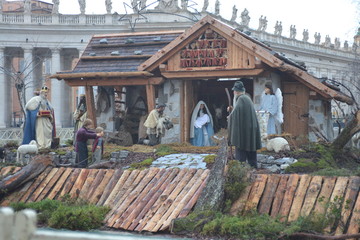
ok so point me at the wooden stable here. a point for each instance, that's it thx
(208, 51)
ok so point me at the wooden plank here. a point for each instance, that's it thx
(88, 182)
(291, 187)
(78, 184)
(150, 97)
(142, 199)
(279, 195)
(42, 185)
(35, 184)
(256, 192)
(177, 200)
(110, 186)
(325, 193)
(95, 184)
(189, 193)
(215, 73)
(60, 183)
(122, 186)
(311, 195)
(269, 194)
(96, 195)
(191, 203)
(148, 202)
(169, 188)
(168, 200)
(5, 171)
(90, 103)
(355, 218)
(299, 197)
(337, 196)
(69, 183)
(349, 203)
(131, 193)
(16, 196)
(239, 205)
(50, 184)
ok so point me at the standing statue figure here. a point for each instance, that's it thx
(170, 6)
(278, 28)
(205, 6)
(346, 45)
(135, 6)
(234, 14)
(292, 31)
(184, 4)
(82, 4)
(327, 41)
(217, 7)
(245, 18)
(55, 9)
(317, 37)
(354, 47)
(337, 43)
(262, 24)
(305, 35)
(142, 4)
(108, 5)
(27, 6)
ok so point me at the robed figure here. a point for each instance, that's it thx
(40, 120)
(201, 126)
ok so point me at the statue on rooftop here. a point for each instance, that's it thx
(346, 45)
(278, 28)
(108, 5)
(205, 6)
(184, 4)
(337, 43)
(55, 9)
(317, 37)
(292, 31)
(27, 6)
(168, 6)
(234, 14)
(245, 18)
(327, 41)
(82, 4)
(305, 35)
(262, 24)
(217, 7)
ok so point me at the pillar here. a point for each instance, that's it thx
(56, 87)
(4, 91)
(28, 73)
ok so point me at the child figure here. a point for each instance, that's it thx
(98, 146)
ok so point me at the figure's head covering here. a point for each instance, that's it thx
(44, 89)
(268, 85)
(239, 86)
(161, 105)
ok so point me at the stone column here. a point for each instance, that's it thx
(56, 87)
(28, 73)
(4, 98)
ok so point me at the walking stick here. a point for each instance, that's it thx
(230, 107)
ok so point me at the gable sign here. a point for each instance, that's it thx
(209, 50)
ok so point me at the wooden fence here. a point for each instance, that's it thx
(144, 200)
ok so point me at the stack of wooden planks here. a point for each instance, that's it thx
(291, 196)
(144, 200)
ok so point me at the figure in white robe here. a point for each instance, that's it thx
(201, 126)
(269, 104)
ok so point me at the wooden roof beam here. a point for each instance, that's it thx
(198, 74)
(129, 44)
(67, 76)
(91, 58)
(115, 82)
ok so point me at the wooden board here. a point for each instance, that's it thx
(50, 184)
(239, 205)
(325, 193)
(269, 194)
(299, 197)
(291, 187)
(60, 183)
(311, 195)
(100, 189)
(87, 184)
(109, 187)
(256, 192)
(279, 195)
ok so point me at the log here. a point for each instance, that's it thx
(325, 193)
(256, 192)
(269, 194)
(299, 198)
(311, 195)
(36, 166)
(351, 128)
(212, 196)
(279, 196)
(289, 196)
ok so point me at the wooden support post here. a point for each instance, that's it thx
(90, 104)
(150, 97)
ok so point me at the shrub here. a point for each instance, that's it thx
(140, 165)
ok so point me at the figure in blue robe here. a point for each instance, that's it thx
(201, 126)
(269, 104)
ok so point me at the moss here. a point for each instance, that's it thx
(236, 180)
(301, 166)
(140, 165)
(60, 152)
(209, 159)
(164, 149)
